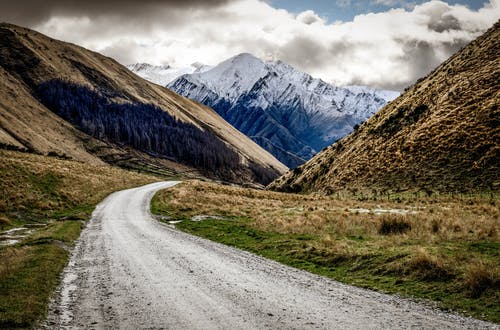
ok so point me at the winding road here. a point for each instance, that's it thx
(129, 271)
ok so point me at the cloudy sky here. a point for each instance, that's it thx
(380, 43)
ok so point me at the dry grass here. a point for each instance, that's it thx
(33, 182)
(481, 277)
(435, 219)
(12, 259)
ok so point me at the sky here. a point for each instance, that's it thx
(346, 10)
(385, 44)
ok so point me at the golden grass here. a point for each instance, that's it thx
(436, 219)
(34, 182)
(12, 259)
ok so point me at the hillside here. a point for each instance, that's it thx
(287, 112)
(441, 135)
(58, 98)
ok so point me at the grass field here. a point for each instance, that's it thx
(443, 248)
(58, 196)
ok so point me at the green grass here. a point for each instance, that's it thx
(454, 264)
(26, 286)
(367, 271)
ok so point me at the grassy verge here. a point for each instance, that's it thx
(56, 196)
(443, 249)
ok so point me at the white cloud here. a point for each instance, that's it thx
(309, 17)
(390, 49)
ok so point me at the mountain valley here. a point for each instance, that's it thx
(287, 112)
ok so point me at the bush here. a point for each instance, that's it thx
(428, 268)
(394, 225)
(479, 278)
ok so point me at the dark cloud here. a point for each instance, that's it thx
(308, 52)
(444, 23)
(33, 12)
(386, 50)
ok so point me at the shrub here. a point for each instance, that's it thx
(394, 225)
(4, 221)
(428, 268)
(479, 278)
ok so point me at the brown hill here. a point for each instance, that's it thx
(29, 59)
(442, 134)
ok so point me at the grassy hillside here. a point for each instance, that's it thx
(34, 66)
(440, 135)
(52, 198)
(444, 248)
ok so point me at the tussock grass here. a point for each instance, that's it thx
(426, 253)
(481, 277)
(394, 225)
(58, 193)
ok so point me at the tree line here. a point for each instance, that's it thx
(144, 127)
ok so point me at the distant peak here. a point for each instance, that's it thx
(146, 66)
(244, 57)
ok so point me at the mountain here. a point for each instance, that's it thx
(287, 112)
(164, 74)
(441, 135)
(60, 99)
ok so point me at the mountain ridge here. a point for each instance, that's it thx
(29, 59)
(441, 135)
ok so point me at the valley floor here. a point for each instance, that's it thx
(130, 271)
(444, 249)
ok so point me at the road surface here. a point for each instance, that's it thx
(129, 271)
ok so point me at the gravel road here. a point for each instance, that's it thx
(129, 271)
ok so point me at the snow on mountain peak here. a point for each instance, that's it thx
(283, 109)
(164, 74)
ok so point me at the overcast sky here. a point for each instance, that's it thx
(380, 43)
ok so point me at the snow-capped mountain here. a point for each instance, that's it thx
(164, 74)
(287, 112)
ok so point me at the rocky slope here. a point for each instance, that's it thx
(287, 112)
(441, 135)
(35, 69)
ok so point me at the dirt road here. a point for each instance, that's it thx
(129, 271)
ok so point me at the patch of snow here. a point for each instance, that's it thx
(202, 217)
(164, 74)
(379, 211)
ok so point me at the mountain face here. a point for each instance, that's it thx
(441, 135)
(164, 74)
(287, 112)
(60, 99)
